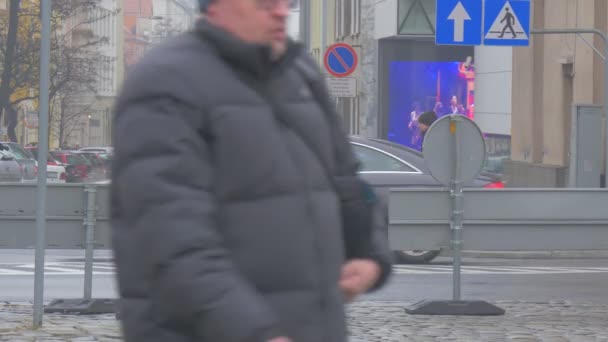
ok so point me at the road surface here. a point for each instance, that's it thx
(580, 280)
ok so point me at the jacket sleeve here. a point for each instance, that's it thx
(163, 178)
(348, 165)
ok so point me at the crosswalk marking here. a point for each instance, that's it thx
(55, 269)
(474, 270)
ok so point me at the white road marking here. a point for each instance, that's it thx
(107, 268)
(526, 270)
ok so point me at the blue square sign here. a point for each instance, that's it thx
(459, 22)
(506, 22)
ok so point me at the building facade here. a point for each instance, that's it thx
(293, 23)
(90, 111)
(549, 76)
(137, 19)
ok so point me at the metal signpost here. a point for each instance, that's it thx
(455, 151)
(89, 241)
(43, 142)
(88, 304)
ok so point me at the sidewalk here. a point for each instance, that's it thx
(368, 322)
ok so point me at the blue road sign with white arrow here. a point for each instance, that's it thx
(507, 22)
(459, 22)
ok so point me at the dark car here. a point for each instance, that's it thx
(78, 167)
(387, 165)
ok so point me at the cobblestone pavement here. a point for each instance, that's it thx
(368, 322)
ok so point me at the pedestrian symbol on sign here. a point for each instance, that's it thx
(506, 22)
(509, 18)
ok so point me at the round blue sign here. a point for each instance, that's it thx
(340, 60)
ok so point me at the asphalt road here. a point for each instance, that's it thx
(530, 280)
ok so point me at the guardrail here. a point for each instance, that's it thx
(503, 220)
(66, 216)
(490, 219)
(77, 217)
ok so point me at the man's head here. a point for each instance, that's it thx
(253, 21)
(425, 120)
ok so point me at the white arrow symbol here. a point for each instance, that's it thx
(459, 15)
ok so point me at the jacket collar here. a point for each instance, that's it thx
(253, 58)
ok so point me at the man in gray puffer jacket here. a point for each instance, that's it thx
(227, 226)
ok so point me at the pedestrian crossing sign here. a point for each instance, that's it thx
(507, 22)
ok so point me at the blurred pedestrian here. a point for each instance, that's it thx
(237, 210)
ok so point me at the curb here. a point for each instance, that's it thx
(595, 254)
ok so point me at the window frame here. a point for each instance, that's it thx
(414, 169)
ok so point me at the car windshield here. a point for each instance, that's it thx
(493, 164)
(6, 155)
(19, 152)
(398, 146)
(77, 159)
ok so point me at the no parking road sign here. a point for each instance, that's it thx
(340, 60)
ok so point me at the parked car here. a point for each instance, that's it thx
(78, 167)
(100, 164)
(10, 171)
(106, 150)
(56, 174)
(56, 171)
(27, 162)
(387, 165)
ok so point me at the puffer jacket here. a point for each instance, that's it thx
(225, 226)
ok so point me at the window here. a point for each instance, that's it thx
(347, 18)
(356, 19)
(417, 16)
(19, 152)
(339, 19)
(373, 160)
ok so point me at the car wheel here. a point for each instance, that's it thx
(415, 257)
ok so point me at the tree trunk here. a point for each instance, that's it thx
(11, 115)
(11, 46)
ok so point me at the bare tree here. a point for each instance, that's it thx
(8, 48)
(75, 55)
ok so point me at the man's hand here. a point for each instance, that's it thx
(280, 339)
(358, 276)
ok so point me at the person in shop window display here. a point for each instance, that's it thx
(455, 107)
(413, 125)
(425, 121)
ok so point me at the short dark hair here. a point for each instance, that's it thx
(427, 118)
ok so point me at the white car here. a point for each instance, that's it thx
(55, 174)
